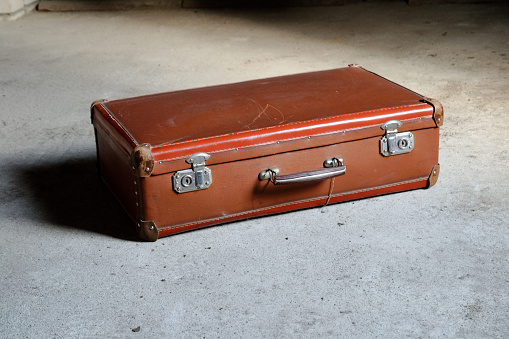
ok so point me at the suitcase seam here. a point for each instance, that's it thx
(290, 124)
(392, 82)
(119, 124)
(112, 137)
(243, 213)
(380, 187)
(289, 139)
(290, 203)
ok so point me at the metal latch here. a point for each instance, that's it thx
(198, 177)
(394, 143)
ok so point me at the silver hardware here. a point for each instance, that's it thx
(333, 162)
(309, 176)
(269, 173)
(333, 167)
(198, 177)
(394, 142)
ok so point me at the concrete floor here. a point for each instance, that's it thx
(421, 264)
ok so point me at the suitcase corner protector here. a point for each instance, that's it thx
(147, 230)
(433, 176)
(100, 101)
(438, 111)
(142, 161)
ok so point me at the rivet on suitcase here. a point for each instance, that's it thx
(188, 159)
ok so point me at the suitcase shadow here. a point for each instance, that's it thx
(71, 194)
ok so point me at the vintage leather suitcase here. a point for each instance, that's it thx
(184, 160)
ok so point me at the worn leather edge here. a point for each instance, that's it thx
(386, 79)
(147, 230)
(220, 156)
(97, 102)
(433, 176)
(438, 111)
(328, 132)
(101, 122)
(104, 113)
(142, 161)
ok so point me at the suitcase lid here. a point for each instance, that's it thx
(261, 117)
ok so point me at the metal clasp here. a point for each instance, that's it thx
(394, 142)
(198, 177)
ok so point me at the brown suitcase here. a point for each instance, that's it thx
(184, 160)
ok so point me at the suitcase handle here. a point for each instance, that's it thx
(334, 168)
(308, 176)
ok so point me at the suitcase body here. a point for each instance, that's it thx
(184, 160)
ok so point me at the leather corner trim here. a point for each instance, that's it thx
(97, 102)
(433, 176)
(438, 114)
(100, 101)
(147, 230)
(142, 161)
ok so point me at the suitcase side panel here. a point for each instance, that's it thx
(114, 168)
(237, 193)
(297, 205)
(235, 189)
(100, 114)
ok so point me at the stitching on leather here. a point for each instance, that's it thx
(293, 123)
(243, 213)
(289, 204)
(380, 187)
(289, 139)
